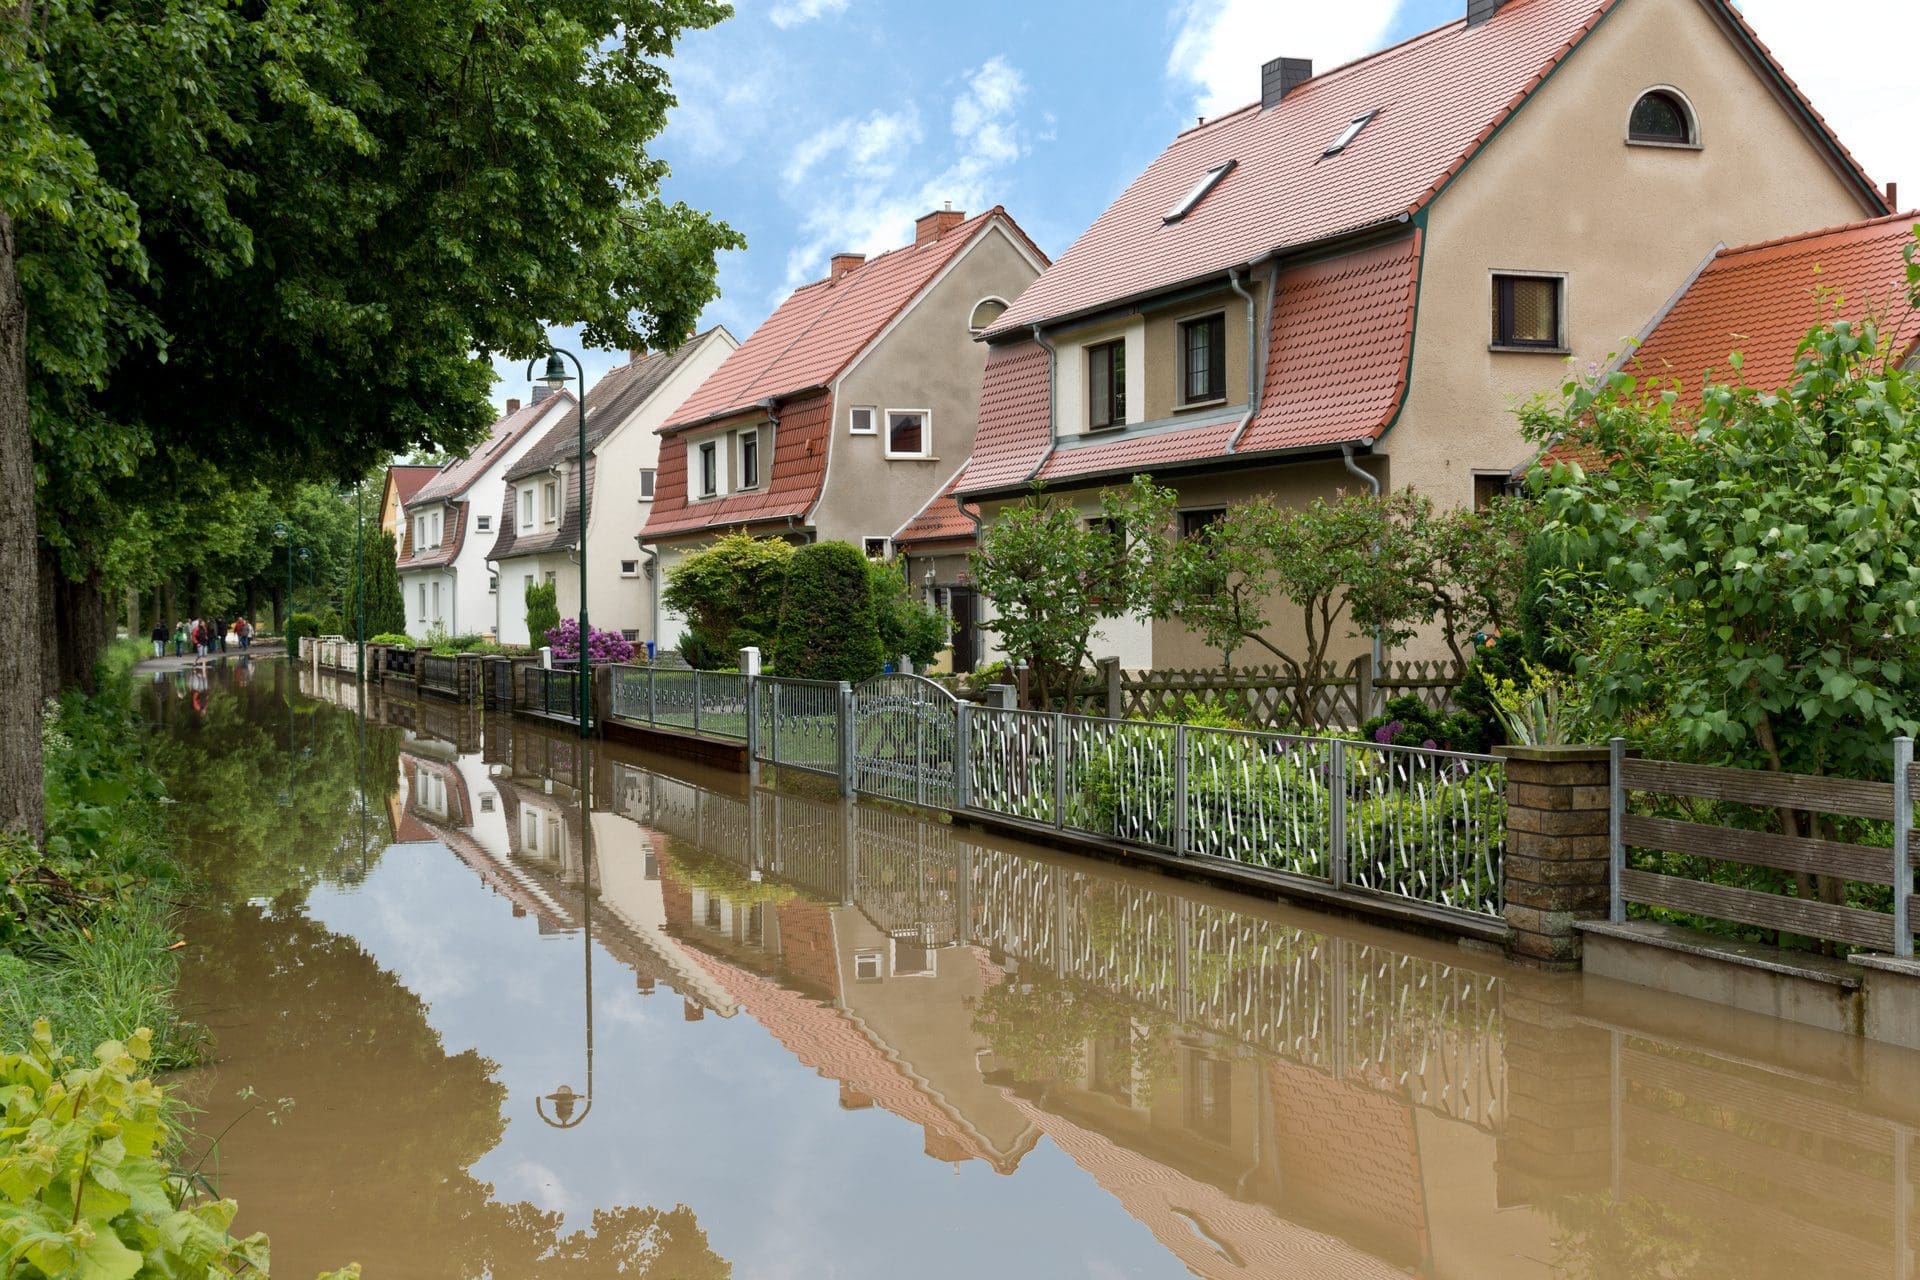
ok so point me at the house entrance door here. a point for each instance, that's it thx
(966, 632)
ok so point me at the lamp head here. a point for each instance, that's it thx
(556, 375)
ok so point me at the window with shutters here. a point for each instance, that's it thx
(1528, 313)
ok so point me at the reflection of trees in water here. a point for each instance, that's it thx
(270, 801)
(1040, 1027)
(387, 1122)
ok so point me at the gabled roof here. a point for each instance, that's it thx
(456, 477)
(619, 394)
(565, 533)
(404, 481)
(1436, 99)
(792, 478)
(1761, 299)
(822, 326)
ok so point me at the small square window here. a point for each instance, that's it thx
(647, 478)
(629, 568)
(1203, 366)
(1526, 312)
(907, 435)
(868, 966)
(1487, 489)
(861, 421)
(877, 548)
(486, 804)
(1107, 385)
(485, 524)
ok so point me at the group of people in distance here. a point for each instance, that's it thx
(204, 634)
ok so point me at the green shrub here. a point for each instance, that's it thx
(329, 622)
(392, 637)
(730, 595)
(827, 626)
(543, 611)
(299, 625)
(907, 626)
(989, 673)
(386, 609)
(88, 1192)
(1406, 721)
(1205, 711)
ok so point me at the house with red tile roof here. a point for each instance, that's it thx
(1761, 299)
(538, 535)
(447, 526)
(402, 483)
(1351, 281)
(851, 407)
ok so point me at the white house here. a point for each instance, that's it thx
(538, 538)
(444, 575)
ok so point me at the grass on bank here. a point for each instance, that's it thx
(86, 922)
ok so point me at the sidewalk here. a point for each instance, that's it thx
(263, 649)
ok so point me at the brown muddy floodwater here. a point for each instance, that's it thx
(484, 1006)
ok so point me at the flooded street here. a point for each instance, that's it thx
(485, 1005)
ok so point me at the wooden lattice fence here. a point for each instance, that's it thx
(1267, 696)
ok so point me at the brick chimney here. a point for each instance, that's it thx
(513, 405)
(936, 224)
(1478, 11)
(636, 354)
(843, 263)
(1281, 77)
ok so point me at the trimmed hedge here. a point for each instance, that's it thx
(828, 630)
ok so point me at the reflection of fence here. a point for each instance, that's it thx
(705, 702)
(1414, 823)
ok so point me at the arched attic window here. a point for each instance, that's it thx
(984, 313)
(1663, 117)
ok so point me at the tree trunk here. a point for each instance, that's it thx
(22, 788)
(253, 601)
(81, 630)
(133, 613)
(279, 612)
(169, 612)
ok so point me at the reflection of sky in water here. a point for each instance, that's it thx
(714, 1114)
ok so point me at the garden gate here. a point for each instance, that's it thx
(905, 730)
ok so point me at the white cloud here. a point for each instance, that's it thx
(791, 13)
(1220, 45)
(861, 181)
(1857, 70)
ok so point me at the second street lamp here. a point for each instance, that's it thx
(556, 378)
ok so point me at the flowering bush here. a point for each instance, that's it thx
(602, 646)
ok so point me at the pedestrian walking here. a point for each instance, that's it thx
(199, 630)
(220, 633)
(179, 639)
(244, 630)
(159, 639)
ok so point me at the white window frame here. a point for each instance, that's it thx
(629, 568)
(550, 502)
(864, 958)
(436, 528)
(740, 460)
(649, 480)
(485, 524)
(493, 584)
(873, 420)
(926, 435)
(527, 513)
(886, 547)
(423, 602)
(699, 451)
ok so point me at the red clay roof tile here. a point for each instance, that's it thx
(793, 481)
(1011, 436)
(941, 520)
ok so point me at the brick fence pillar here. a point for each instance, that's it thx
(468, 684)
(1555, 869)
(420, 657)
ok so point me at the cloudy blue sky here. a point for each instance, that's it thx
(820, 125)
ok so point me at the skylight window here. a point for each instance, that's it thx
(1198, 192)
(1348, 134)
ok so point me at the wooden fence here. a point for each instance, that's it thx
(1879, 802)
(1269, 697)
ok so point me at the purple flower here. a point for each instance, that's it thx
(1387, 732)
(1430, 744)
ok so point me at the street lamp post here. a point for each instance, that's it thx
(556, 378)
(280, 535)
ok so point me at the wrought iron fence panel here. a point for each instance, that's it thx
(1260, 799)
(905, 738)
(1120, 778)
(1012, 756)
(1428, 825)
(630, 693)
(400, 662)
(550, 692)
(799, 723)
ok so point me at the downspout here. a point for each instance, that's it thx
(652, 553)
(1254, 378)
(1373, 483)
(1053, 388)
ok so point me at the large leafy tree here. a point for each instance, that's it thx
(285, 241)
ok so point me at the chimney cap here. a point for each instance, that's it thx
(841, 263)
(1281, 77)
(513, 404)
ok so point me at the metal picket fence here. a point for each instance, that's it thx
(440, 673)
(803, 724)
(713, 703)
(549, 692)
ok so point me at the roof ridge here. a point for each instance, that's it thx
(1911, 215)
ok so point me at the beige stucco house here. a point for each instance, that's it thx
(1352, 281)
(851, 407)
(539, 532)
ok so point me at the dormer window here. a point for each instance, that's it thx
(709, 469)
(1206, 182)
(1348, 134)
(550, 501)
(1107, 385)
(526, 509)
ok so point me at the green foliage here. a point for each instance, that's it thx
(1780, 530)
(1206, 711)
(1406, 721)
(88, 1192)
(543, 610)
(399, 638)
(907, 626)
(329, 622)
(730, 594)
(386, 610)
(828, 630)
(1052, 573)
(300, 625)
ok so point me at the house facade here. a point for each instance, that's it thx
(1351, 282)
(401, 484)
(851, 407)
(447, 528)
(537, 538)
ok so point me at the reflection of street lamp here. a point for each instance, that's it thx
(556, 378)
(564, 1099)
